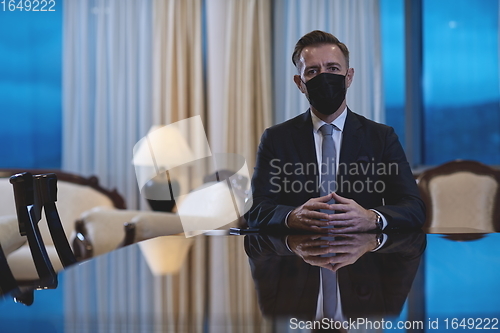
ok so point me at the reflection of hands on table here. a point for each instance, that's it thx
(348, 248)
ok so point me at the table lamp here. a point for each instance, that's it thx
(163, 148)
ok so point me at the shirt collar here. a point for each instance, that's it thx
(339, 122)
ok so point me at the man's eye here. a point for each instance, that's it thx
(311, 71)
(333, 69)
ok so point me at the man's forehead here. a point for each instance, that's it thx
(322, 54)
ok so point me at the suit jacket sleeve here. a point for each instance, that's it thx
(403, 206)
(266, 211)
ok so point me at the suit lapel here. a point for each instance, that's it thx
(352, 139)
(303, 141)
(351, 144)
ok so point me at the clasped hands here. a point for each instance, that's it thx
(352, 217)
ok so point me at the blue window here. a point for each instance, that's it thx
(461, 81)
(392, 27)
(30, 89)
(461, 88)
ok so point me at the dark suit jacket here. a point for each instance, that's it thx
(378, 283)
(373, 171)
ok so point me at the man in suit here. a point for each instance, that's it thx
(373, 185)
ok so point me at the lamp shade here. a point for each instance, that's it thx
(170, 147)
(165, 255)
(164, 147)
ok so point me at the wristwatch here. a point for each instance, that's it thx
(378, 221)
(380, 238)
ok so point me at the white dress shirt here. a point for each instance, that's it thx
(338, 123)
(337, 134)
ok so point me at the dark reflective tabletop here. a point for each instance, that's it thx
(265, 283)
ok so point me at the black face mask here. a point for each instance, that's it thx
(326, 92)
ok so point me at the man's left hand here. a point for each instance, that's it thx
(353, 217)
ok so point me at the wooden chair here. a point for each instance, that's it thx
(11, 240)
(76, 195)
(125, 227)
(32, 195)
(461, 197)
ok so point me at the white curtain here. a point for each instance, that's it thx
(111, 96)
(178, 66)
(238, 74)
(178, 76)
(107, 88)
(355, 23)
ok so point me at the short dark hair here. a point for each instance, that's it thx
(318, 37)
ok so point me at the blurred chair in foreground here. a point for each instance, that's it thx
(461, 197)
(76, 194)
(101, 230)
(10, 240)
(32, 194)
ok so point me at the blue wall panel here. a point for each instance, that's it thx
(30, 88)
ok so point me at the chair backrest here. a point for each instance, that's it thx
(7, 280)
(461, 195)
(76, 195)
(103, 229)
(34, 194)
(10, 238)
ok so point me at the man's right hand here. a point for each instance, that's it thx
(307, 217)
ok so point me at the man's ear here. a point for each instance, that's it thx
(350, 76)
(299, 83)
